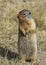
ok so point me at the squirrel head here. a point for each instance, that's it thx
(24, 14)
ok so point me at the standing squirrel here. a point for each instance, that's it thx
(27, 39)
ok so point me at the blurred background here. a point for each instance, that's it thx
(9, 27)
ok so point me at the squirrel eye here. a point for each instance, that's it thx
(23, 14)
(29, 13)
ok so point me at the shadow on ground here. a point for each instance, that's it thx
(4, 52)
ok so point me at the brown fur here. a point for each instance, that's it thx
(27, 41)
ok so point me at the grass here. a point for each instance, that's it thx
(9, 26)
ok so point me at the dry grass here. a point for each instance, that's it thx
(9, 25)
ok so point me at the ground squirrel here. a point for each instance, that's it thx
(27, 39)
